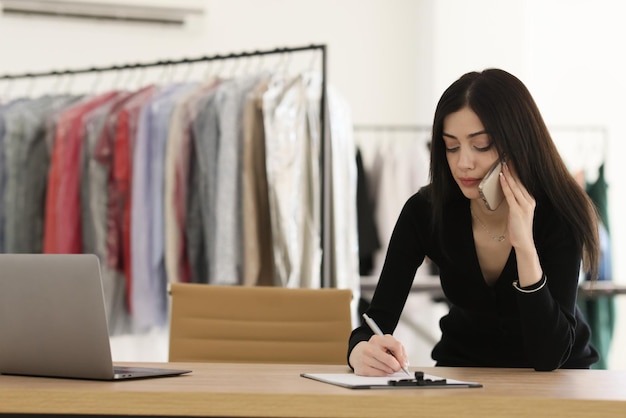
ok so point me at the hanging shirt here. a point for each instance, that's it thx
(94, 203)
(28, 163)
(103, 155)
(118, 235)
(227, 266)
(258, 260)
(7, 117)
(203, 177)
(176, 173)
(345, 260)
(62, 224)
(149, 284)
(287, 144)
(205, 132)
(2, 176)
(284, 138)
(16, 130)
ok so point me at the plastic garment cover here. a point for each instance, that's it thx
(292, 205)
(344, 232)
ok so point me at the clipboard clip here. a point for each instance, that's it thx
(418, 381)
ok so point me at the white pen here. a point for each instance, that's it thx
(370, 322)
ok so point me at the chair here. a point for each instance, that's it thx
(241, 324)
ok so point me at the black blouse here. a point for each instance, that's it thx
(487, 326)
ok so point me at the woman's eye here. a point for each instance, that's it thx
(484, 148)
(452, 149)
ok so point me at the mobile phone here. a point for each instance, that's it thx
(490, 189)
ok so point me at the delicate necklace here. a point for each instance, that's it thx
(498, 238)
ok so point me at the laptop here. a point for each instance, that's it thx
(53, 320)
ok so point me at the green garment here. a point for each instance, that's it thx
(600, 310)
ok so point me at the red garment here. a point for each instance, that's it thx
(104, 152)
(63, 229)
(120, 193)
(181, 176)
(50, 214)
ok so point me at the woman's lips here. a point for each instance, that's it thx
(469, 182)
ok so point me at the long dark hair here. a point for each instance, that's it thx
(511, 117)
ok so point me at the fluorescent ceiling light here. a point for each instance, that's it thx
(154, 11)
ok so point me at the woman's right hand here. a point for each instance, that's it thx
(375, 358)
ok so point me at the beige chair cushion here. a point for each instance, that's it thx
(258, 324)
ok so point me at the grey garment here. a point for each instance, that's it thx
(2, 178)
(15, 130)
(228, 256)
(202, 192)
(3, 169)
(94, 203)
(194, 231)
(176, 182)
(22, 126)
(218, 136)
(28, 162)
(195, 223)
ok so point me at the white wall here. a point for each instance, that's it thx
(371, 44)
(568, 53)
(578, 75)
(390, 58)
(474, 35)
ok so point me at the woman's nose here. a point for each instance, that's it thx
(465, 159)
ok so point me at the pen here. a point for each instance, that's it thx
(370, 322)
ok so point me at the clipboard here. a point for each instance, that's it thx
(394, 381)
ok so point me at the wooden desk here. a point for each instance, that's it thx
(258, 390)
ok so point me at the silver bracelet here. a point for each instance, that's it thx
(517, 286)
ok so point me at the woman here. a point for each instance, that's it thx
(510, 274)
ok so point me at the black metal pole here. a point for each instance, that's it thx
(326, 176)
(164, 62)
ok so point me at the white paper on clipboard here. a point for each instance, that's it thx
(353, 381)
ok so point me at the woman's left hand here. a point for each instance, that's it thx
(521, 209)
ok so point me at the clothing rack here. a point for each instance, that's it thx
(324, 134)
(580, 128)
(160, 63)
(601, 131)
(391, 128)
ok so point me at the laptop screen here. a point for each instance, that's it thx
(52, 316)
